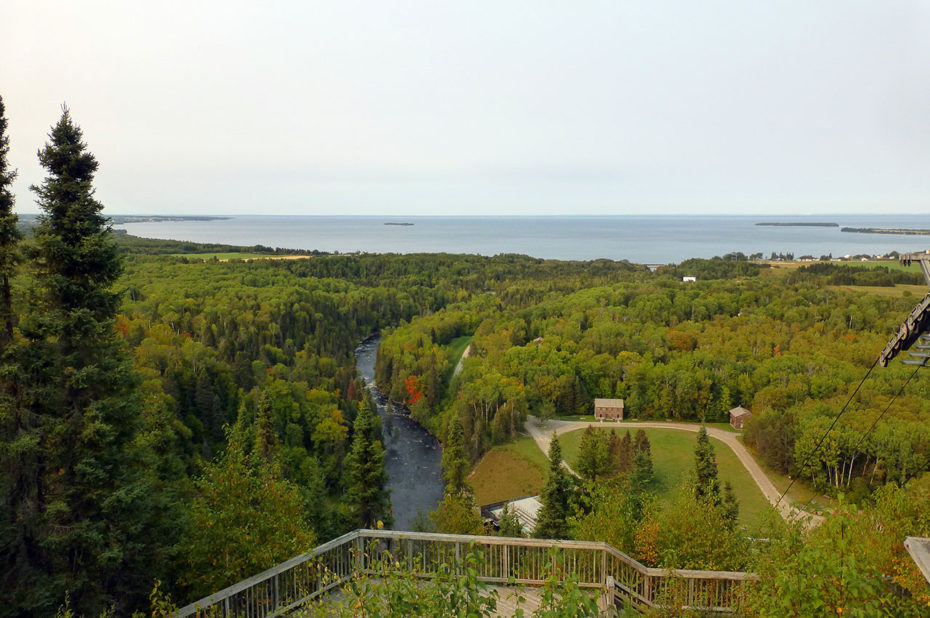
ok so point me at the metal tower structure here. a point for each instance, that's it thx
(915, 328)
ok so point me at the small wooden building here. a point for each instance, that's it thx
(608, 409)
(738, 416)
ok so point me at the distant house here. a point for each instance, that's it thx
(738, 416)
(608, 409)
(687, 279)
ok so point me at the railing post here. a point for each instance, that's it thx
(505, 562)
(609, 594)
(359, 559)
(604, 575)
(277, 602)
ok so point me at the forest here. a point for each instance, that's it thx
(156, 407)
(788, 346)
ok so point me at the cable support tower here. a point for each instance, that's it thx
(913, 332)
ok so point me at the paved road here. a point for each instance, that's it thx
(542, 434)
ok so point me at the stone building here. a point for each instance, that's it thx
(738, 416)
(608, 409)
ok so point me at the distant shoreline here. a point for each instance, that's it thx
(121, 219)
(792, 224)
(877, 230)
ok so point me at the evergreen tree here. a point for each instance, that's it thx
(730, 505)
(625, 456)
(551, 522)
(366, 496)
(641, 443)
(593, 457)
(641, 477)
(21, 578)
(454, 461)
(614, 444)
(266, 440)
(9, 235)
(510, 524)
(87, 520)
(707, 485)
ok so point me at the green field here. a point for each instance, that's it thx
(509, 471)
(890, 264)
(673, 460)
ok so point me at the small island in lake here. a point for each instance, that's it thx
(401, 224)
(878, 230)
(799, 224)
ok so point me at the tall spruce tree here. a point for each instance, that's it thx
(552, 521)
(87, 522)
(707, 484)
(454, 461)
(9, 235)
(20, 576)
(366, 496)
(593, 457)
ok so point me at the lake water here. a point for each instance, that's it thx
(641, 239)
(413, 457)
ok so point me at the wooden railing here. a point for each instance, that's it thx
(527, 562)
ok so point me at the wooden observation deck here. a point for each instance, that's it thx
(621, 580)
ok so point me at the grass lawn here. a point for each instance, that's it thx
(673, 460)
(890, 264)
(456, 348)
(800, 494)
(509, 471)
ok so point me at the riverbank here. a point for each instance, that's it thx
(413, 456)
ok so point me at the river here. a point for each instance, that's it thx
(412, 455)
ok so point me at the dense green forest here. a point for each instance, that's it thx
(787, 346)
(182, 424)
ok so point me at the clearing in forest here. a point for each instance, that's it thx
(509, 471)
(673, 461)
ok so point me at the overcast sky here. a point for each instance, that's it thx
(204, 107)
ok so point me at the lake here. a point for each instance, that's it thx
(640, 239)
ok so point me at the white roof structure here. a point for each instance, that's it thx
(919, 549)
(739, 411)
(527, 510)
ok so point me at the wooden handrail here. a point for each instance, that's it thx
(296, 581)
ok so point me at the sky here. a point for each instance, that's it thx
(482, 108)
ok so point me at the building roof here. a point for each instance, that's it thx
(526, 509)
(740, 411)
(919, 549)
(608, 403)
